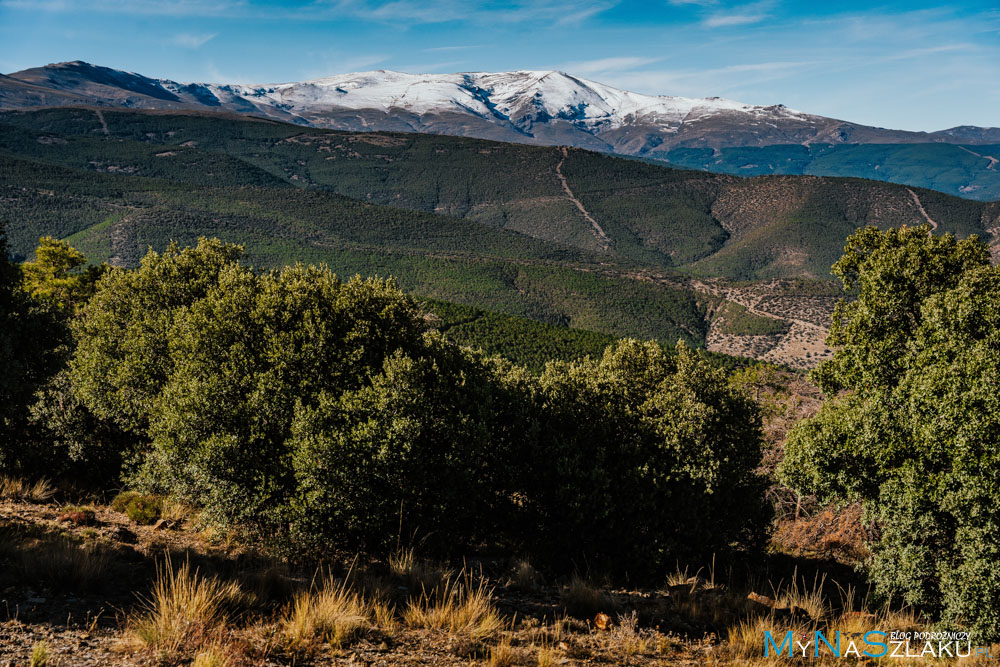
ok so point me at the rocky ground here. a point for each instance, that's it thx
(76, 583)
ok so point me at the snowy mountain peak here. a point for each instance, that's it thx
(535, 95)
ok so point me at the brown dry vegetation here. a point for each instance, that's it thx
(120, 593)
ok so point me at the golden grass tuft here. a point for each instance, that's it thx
(12, 488)
(212, 656)
(458, 606)
(335, 614)
(418, 574)
(185, 610)
(504, 655)
(39, 655)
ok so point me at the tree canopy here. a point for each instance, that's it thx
(911, 424)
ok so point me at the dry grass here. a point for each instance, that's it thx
(185, 612)
(416, 573)
(64, 564)
(457, 606)
(629, 639)
(213, 656)
(504, 655)
(331, 613)
(811, 600)
(526, 578)
(583, 600)
(39, 655)
(18, 489)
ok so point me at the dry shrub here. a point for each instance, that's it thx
(458, 606)
(583, 600)
(18, 489)
(526, 578)
(830, 533)
(186, 611)
(628, 639)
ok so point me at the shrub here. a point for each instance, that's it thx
(911, 425)
(643, 459)
(143, 509)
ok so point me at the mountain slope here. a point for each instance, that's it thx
(623, 211)
(548, 108)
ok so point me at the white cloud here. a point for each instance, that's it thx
(930, 50)
(604, 65)
(150, 7)
(745, 15)
(450, 48)
(192, 40)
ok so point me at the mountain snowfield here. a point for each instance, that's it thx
(503, 96)
(535, 107)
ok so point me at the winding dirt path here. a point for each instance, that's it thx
(992, 160)
(916, 200)
(602, 238)
(100, 117)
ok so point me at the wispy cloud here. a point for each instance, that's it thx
(149, 7)
(605, 65)
(436, 49)
(558, 12)
(745, 15)
(928, 51)
(192, 40)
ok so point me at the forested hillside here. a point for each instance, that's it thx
(621, 210)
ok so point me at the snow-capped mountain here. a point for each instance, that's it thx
(542, 107)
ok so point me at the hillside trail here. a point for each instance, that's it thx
(104, 123)
(992, 160)
(916, 200)
(602, 238)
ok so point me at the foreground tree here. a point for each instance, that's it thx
(320, 413)
(911, 426)
(31, 336)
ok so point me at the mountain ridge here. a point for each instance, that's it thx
(527, 106)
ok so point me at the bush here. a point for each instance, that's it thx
(644, 458)
(317, 413)
(911, 426)
(32, 336)
(144, 509)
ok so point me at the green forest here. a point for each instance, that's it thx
(309, 413)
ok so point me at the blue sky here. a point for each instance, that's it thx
(913, 65)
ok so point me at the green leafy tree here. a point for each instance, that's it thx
(55, 275)
(30, 340)
(646, 458)
(911, 425)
